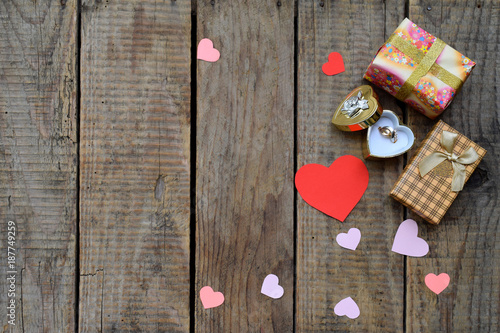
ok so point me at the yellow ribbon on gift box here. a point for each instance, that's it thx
(448, 142)
(426, 63)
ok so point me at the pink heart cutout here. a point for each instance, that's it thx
(207, 52)
(349, 240)
(437, 283)
(209, 298)
(347, 307)
(406, 241)
(271, 288)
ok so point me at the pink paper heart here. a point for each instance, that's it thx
(271, 288)
(437, 283)
(349, 240)
(406, 241)
(209, 298)
(347, 307)
(207, 52)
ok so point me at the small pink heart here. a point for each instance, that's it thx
(406, 241)
(271, 288)
(437, 283)
(347, 307)
(207, 52)
(349, 240)
(209, 298)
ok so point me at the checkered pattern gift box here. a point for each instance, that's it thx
(419, 69)
(437, 172)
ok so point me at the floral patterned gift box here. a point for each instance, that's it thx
(419, 69)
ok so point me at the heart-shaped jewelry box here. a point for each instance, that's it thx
(359, 110)
(377, 145)
(386, 136)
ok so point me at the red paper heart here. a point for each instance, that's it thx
(334, 190)
(335, 64)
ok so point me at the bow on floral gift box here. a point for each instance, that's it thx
(439, 169)
(419, 69)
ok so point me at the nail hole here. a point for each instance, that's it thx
(479, 6)
(212, 2)
(278, 4)
(321, 4)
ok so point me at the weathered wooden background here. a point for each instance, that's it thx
(137, 175)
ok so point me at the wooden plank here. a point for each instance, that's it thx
(38, 163)
(244, 181)
(135, 166)
(372, 275)
(465, 244)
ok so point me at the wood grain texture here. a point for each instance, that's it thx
(372, 275)
(465, 243)
(38, 161)
(135, 166)
(244, 181)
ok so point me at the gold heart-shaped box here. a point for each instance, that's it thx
(359, 110)
(377, 146)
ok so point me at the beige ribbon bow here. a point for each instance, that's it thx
(448, 142)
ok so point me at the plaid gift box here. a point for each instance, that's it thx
(419, 69)
(431, 195)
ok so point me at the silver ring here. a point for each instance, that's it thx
(389, 132)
